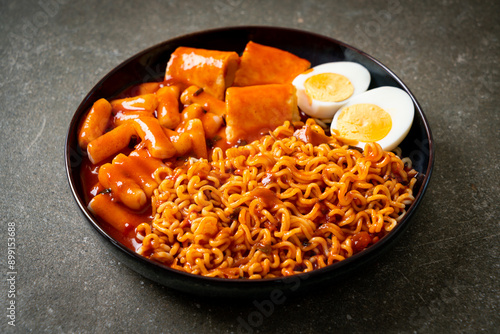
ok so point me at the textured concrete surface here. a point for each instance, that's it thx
(443, 275)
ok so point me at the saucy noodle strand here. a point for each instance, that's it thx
(294, 201)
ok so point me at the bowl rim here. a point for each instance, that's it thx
(366, 254)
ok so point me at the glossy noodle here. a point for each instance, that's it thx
(294, 201)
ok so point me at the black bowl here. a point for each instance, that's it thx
(150, 64)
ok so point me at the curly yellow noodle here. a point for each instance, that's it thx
(276, 207)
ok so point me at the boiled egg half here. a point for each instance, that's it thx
(383, 115)
(323, 89)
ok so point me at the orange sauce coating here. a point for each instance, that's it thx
(164, 123)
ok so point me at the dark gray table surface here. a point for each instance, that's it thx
(442, 276)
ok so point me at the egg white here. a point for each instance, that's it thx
(397, 103)
(357, 74)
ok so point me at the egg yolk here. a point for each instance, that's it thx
(364, 122)
(328, 87)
